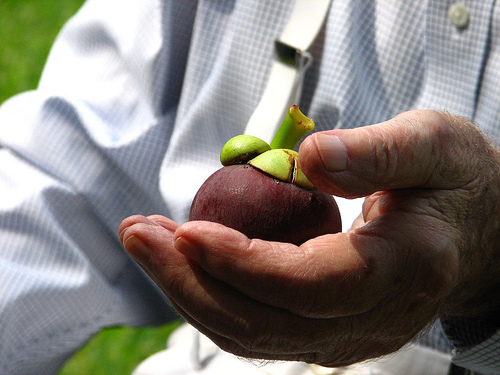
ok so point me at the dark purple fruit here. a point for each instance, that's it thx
(261, 206)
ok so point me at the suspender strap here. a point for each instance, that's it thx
(291, 61)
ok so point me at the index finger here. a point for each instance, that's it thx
(329, 276)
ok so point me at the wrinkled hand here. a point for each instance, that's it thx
(427, 246)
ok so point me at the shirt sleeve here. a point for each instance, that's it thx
(77, 156)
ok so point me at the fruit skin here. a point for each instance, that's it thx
(260, 206)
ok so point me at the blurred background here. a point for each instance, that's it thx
(27, 30)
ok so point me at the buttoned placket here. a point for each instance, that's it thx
(456, 32)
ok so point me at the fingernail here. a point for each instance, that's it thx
(138, 250)
(332, 151)
(187, 248)
(121, 234)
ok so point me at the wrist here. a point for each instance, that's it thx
(475, 300)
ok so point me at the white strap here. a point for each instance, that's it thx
(289, 67)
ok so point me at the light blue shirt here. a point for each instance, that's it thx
(133, 107)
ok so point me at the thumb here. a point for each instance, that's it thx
(422, 148)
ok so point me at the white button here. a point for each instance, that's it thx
(459, 15)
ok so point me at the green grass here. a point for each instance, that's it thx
(28, 28)
(118, 350)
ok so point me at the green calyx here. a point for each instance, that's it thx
(278, 159)
(241, 149)
(282, 164)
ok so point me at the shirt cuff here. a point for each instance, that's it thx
(476, 344)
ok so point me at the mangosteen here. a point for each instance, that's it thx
(262, 192)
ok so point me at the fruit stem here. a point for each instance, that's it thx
(293, 128)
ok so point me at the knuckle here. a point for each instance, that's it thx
(384, 155)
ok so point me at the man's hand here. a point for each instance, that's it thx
(427, 246)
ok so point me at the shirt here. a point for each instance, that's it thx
(134, 105)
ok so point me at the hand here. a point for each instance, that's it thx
(427, 246)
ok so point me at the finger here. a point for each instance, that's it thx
(415, 149)
(329, 341)
(334, 349)
(330, 276)
(127, 222)
(139, 233)
(273, 273)
(242, 324)
(163, 221)
(245, 326)
(323, 352)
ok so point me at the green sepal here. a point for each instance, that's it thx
(279, 159)
(278, 163)
(282, 164)
(242, 148)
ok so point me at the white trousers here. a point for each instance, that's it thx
(190, 353)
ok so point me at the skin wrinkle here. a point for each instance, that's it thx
(414, 266)
(475, 211)
(388, 150)
(305, 298)
(488, 233)
(268, 342)
(354, 278)
(306, 273)
(442, 136)
(439, 134)
(385, 160)
(320, 282)
(286, 300)
(236, 320)
(449, 136)
(370, 266)
(310, 281)
(246, 345)
(243, 333)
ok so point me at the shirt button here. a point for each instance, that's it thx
(459, 15)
